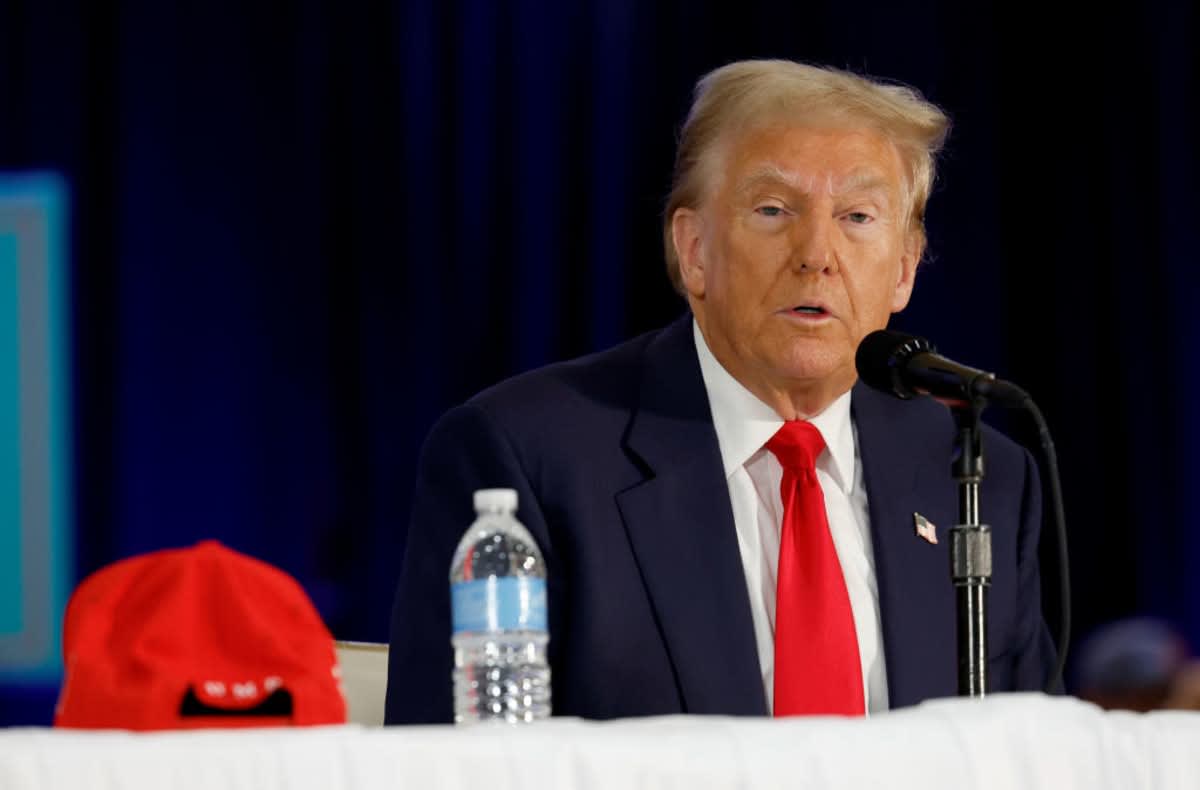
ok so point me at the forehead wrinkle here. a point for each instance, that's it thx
(862, 180)
(771, 173)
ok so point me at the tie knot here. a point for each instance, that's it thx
(797, 445)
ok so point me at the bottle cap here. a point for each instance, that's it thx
(494, 499)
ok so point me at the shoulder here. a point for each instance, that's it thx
(572, 403)
(588, 381)
(586, 391)
(924, 423)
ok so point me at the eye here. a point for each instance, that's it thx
(769, 210)
(859, 217)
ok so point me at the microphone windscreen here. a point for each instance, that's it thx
(881, 356)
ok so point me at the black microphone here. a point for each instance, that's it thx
(906, 365)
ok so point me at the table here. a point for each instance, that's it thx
(1005, 741)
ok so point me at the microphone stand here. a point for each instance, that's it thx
(970, 552)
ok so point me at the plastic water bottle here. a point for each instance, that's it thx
(498, 603)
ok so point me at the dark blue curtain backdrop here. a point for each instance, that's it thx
(303, 230)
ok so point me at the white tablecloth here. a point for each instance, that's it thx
(1010, 741)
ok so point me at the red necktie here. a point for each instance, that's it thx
(817, 666)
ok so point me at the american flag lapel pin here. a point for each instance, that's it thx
(925, 528)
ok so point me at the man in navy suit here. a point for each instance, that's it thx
(794, 228)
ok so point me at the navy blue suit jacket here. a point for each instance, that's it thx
(616, 465)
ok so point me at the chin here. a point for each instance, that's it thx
(814, 361)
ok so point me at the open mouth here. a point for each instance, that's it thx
(808, 310)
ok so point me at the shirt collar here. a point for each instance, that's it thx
(744, 423)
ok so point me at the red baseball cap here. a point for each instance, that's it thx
(196, 637)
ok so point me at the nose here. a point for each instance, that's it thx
(812, 243)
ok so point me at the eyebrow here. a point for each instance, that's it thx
(864, 181)
(769, 174)
(858, 181)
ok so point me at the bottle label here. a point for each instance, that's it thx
(512, 603)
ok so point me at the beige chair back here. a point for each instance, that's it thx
(364, 677)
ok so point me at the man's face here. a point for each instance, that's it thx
(799, 252)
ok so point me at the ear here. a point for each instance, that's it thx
(687, 234)
(910, 257)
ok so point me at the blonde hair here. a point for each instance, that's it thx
(750, 94)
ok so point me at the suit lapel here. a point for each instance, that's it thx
(906, 470)
(680, 525)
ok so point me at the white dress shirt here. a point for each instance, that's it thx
(744, 424)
